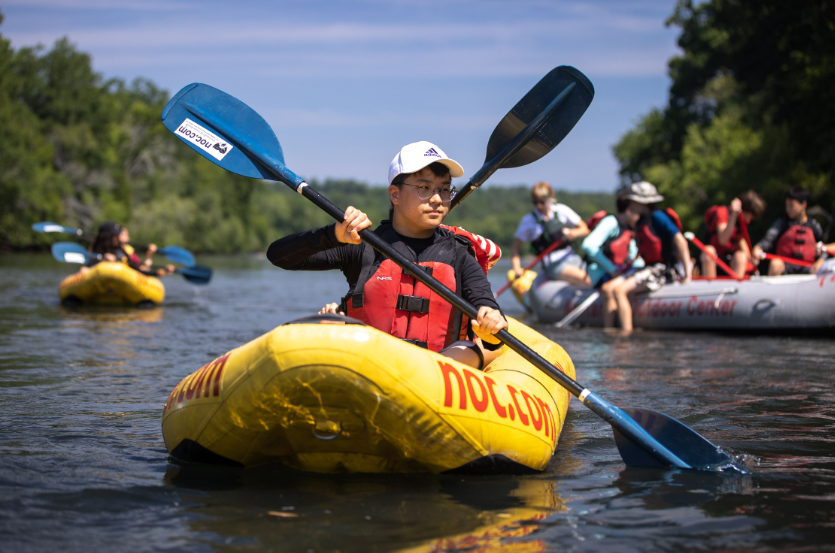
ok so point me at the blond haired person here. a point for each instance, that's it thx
(548, 222)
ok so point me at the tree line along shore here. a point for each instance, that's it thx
(745, 111)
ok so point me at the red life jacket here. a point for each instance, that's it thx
(393, 301)
(797, 242)
(650, 246)
(617, 248)
(596, 218)
(712, 236)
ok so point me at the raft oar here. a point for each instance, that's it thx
(530, 130)
(731, 273)
(799, 262)
(177, 254)
(580, 309)
(70, 252)
(554, 245)
(232, 135)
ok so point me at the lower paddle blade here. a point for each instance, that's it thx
(689, 446)
(197, 274)
(178, 254)
(532, 104)
(222, 129)
(70, 252)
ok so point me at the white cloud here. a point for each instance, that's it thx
(113, 5)
(518, 48)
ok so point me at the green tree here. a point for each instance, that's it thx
(749, 107)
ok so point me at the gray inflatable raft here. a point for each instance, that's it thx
(792, 302)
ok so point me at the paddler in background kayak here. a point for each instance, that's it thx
(612, 253)
(661, 246)
(380, 294)
(112, 243)
(547, 223)
(794, 235)
(727, 234)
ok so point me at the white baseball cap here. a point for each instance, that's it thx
(417, 155)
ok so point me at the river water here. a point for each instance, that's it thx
(83, 466)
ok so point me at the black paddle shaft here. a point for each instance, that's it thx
(436, 286)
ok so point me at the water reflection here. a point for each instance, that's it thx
(349, 512)
(82, 459)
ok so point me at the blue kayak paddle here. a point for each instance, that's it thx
(177, 254)
(531, 129)
(70, 252)
(232, 135)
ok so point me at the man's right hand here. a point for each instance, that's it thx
(348, 231)
(736, 205)
(331, 308)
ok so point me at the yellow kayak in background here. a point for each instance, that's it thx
(111, 283)
(349, 398)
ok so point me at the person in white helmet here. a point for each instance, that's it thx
(380, 294)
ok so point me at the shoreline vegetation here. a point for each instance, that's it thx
(744, 111)
(80, 150)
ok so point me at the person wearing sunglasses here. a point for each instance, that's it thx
(550, 222)
(380, 293)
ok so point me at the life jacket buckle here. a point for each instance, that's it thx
(413, 304)
(417, 343)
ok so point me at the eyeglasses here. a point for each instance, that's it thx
(539, 202)
(426, 192)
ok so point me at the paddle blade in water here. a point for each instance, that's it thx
(689, 446)
(178, 254)
(532, 104)
(70, 252)
(197, 274)
(222, 129)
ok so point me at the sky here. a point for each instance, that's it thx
(346, 83)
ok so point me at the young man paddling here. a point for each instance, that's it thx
(380, 293)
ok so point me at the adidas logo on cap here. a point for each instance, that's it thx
(431, 152)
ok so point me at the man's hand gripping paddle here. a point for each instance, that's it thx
(177, 254)
(70, 252)
(535, 125)
(230, 134)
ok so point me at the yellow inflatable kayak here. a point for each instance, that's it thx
(111, 283)
(349, 398)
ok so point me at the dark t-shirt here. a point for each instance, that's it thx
(318, 250)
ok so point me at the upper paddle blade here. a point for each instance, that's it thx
(222, 129)
(70, 252)
(178, 254)
(532, 104)
(55, 227)
(197, 274)
(689, 446)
